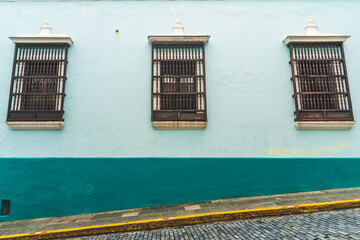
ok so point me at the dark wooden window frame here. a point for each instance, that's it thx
(18, 110)
(318, 99)
(193, 114)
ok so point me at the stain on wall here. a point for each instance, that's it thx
(334, 148)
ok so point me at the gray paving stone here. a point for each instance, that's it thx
(200, 211)
(340, 224)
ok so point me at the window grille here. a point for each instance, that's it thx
(38, 82)
(178, 83)
(320, 82)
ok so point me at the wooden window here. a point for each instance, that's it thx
(320, 82)
(38, 82)
(178, 82)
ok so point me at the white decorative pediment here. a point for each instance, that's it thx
(45, 36)
(312, 35)
(178, 36)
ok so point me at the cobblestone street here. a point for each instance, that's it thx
(341, 224)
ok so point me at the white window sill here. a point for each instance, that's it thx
(324, 125)
(28, 125)
(179, 124)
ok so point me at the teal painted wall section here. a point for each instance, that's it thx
(250, 108)
(55, 187)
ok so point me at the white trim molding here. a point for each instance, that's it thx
(179, 124)
(324, 38)
(32, 39)
(178, 36)
(324, 124)
(44, 36)
(29, 125)
(312, 35)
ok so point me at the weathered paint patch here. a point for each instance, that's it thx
(330, 149)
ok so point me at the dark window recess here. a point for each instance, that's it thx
(178, 83)
(38, 83)
(5, 207)
(321, 88)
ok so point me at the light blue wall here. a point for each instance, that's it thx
(250, 108)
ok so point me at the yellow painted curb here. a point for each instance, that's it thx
(185, 220)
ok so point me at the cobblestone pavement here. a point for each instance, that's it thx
(176, 210)
(341, 224)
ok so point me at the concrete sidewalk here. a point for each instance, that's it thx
(180, 214)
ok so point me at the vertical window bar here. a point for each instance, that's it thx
(10, 105)
(349, 105)
(295, 68)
